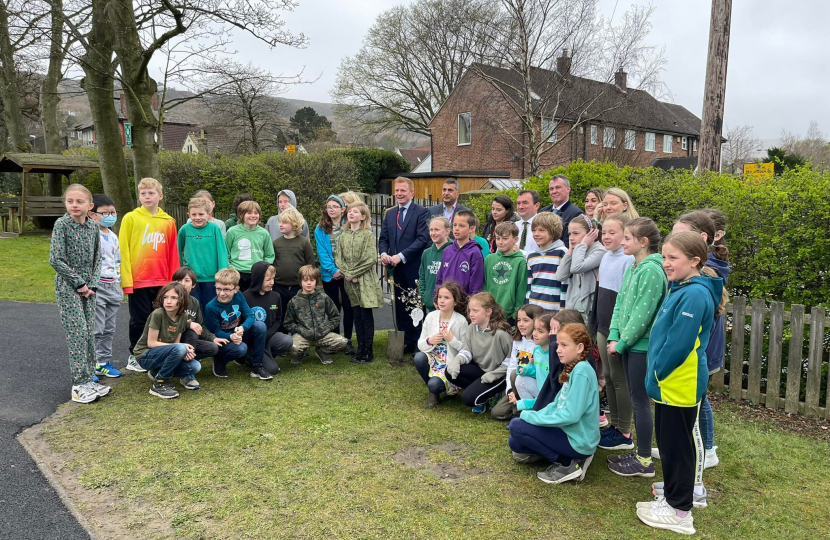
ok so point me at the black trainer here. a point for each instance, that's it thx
(358, 356)
(262, 373)
(349, 349)
(324, 357)
(163, 389)
(219, 369)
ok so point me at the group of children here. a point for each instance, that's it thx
(646, 319)
(533, 340)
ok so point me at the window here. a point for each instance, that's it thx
(650, 137)
(464, 128)
(549, 129)
(667, 144)
(593, 134)
(694, 145)
(683, 143)
(608, 138)
(630, 139)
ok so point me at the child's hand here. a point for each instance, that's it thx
(355, 280)
(436, 338)
(85, 291)
(236, 338)
(511, 397)
(337, 275)
(239, 330)
(191, 352)
(447, 333)
(589, 238)
(196, 327)
(554, 327)
(220, 341)
(610, 347)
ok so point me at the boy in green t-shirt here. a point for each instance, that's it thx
(505, 271)
(202, 248)
(248, 243)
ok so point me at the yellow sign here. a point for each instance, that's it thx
(291, 149)
(759, 170)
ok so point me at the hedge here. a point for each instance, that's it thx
(777, 228)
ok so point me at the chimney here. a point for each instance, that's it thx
(155, 102)
(122, 100)
(201, 133)
(620, 79)
(563, 63)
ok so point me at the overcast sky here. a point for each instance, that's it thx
(778, 77)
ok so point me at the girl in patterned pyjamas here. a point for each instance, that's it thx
(75, 254)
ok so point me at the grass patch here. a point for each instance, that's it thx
(349, 451)
(27, 275)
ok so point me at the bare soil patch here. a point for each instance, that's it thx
(785, 422)
(444, 461)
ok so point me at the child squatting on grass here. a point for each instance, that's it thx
(75, 255)
(522, 351)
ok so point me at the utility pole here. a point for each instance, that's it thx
(714, 93)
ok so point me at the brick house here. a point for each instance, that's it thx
(477, 129)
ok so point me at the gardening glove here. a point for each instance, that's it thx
(491, 377)
(453, 368)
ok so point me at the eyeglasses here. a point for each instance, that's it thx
(338, 207)
(105, 214)
(223, 290)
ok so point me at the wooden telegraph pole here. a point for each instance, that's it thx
(714, 92)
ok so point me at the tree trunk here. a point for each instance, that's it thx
(714, 93)
(49, 97)
(98, 85)
(139, 89)
(9, 91)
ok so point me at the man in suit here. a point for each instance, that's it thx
(560, 195)
(449, 207)
(404, 235)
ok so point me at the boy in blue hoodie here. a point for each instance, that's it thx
(229, 317)
(677, 376)
(463, 262)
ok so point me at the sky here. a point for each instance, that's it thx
(778, 76)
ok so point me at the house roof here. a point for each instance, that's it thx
(45, 163)
(414, 155)
(174, 135)
(668, 164)
(424, 166)
(216, 140)
(598, 101)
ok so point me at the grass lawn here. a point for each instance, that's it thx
(26, 274)
(349, 451)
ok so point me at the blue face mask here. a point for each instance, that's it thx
(108, 221)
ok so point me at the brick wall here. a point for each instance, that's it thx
(497, 142)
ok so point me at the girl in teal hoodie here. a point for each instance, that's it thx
(677, 375)
(642, 291)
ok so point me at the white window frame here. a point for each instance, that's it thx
(593, 134)
(684, 143)
(606, 133)
(694, 145)
(546, 122)
(630, 139)
(651, 138)
(667, 144)
(468, 125)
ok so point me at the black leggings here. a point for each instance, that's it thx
(475, 391)
(673, 426)
(336, 290)
(364, 325)
(634, 365)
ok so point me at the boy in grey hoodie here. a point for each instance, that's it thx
(285, 198)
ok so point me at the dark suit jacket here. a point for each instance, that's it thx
(411, 240)
(438, 210)
(566, 214)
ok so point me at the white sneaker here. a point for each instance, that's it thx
(711, 459)
(655, 453)
(133, 365)
(84, 393)
(663, 516)
(100, 389)
(698, 501)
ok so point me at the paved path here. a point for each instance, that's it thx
(34, 380)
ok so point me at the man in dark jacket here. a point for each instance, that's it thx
(267, 307)
(560, 193)
(449, 206)
(404, 235)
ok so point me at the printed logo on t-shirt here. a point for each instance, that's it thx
(433, 267)
(501, 269)
(244, 249)
(154, 238)
(231, 320)
(259, 313)
(464, 267)
(172, 328)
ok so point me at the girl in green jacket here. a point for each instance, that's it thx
(439, 232)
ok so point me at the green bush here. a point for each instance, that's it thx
(776, 228)
(373, 164)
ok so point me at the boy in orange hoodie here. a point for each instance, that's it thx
(149, 256)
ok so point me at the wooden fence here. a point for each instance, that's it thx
(760, 377)
(179, 213)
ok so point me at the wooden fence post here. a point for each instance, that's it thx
(756, 346)
(814, 361)
(736, 357)
(776, 339)
(795, 359)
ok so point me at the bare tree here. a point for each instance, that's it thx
(545, 98)
(410, 61)
(738, 149)
(813, 147)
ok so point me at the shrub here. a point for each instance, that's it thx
(776, 228)
(373, 164)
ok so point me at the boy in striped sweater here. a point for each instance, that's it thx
(543, 289)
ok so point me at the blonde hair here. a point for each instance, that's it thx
(622, 219)
(150, 183)
(549, 222)
(442, 220)
(292, 216)
(247, 207)
(227, 276)
(364, 225)
(198, 202)
(309, 272)
(78, 187)
(630, 211)
(691, 244)
(404, 180)
(204, 194)
(350, 197)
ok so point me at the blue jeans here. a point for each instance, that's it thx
(550, 442)
(252, 346)
(169, 361)
(434, 384)
(707, 423)
(204, 292)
